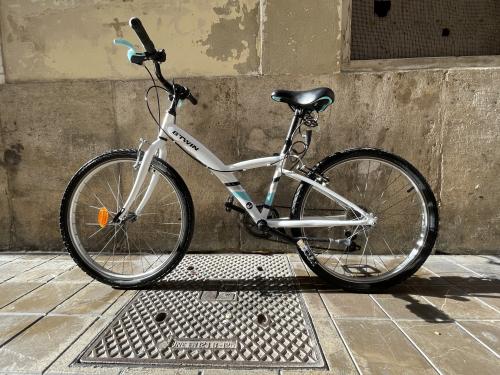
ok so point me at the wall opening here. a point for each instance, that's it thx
(393, 29)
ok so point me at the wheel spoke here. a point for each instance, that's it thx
(137, 247)
(380, 187)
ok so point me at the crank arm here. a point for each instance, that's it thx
(232, 207)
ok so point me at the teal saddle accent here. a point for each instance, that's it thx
(317, 99)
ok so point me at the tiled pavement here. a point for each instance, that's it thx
(445, 320)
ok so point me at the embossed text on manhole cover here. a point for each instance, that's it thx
(214, 311)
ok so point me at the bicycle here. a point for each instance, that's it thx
(127, 216)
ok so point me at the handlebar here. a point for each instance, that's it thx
(159, 56)
(136, 24)
(181, 91)
(192, 99)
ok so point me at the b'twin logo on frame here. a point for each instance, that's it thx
(185, 140)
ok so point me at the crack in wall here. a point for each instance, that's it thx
(441, 119)
(116, 128)
(10, 207)
(262, 21)
(441, 123)
(2, 66)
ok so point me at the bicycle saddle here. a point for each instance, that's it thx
(316, 99)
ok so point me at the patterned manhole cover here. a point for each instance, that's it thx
(214, 311)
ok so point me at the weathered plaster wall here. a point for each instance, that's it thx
(53, 40)
(444, 122)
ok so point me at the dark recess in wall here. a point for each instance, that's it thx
(381, 7)
(384, 29)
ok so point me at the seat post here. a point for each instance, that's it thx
(293, 126)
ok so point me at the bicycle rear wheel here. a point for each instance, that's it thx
(363, 258)
(144, 247)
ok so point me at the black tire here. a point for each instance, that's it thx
(425, 190)
(184, 197)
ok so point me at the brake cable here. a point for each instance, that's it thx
(146, 97)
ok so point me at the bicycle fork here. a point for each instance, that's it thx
(157, 147)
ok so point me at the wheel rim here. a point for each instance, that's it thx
(135, 250)
(378, 257)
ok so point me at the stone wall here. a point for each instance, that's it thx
(446, 122)
(71, 94)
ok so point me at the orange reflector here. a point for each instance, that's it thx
(102, 217)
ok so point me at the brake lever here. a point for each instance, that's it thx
(124, 42)
(133, 56)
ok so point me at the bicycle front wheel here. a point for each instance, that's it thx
(363, 258)
(145, 246)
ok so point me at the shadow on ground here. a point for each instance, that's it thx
(456, 288)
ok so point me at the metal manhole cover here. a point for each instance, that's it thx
(214, 310)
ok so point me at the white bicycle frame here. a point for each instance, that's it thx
(225, 173)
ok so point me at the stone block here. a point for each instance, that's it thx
(49, 130)
(11, 325)
(43, 299)
(382, 348)
(398, 112)
(41, 344)
(471, 150)
(301, 37)
(9, 292)
(94, 299)
(450, 348)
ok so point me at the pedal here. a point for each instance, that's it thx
(230, 206)
(306, 250)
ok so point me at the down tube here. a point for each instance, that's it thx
(195, 148)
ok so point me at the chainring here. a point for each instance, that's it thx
(252, 228)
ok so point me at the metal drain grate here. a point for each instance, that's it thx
(214, 310)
